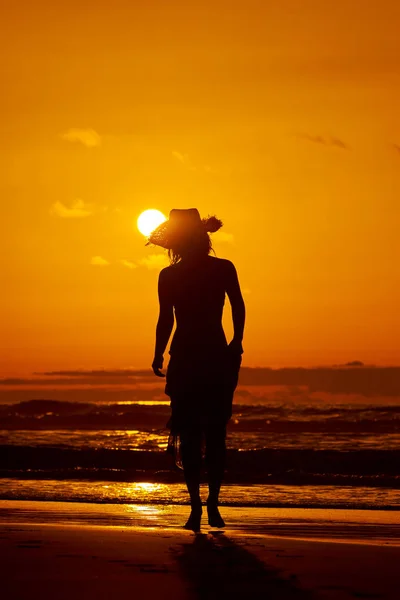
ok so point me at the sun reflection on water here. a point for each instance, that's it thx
(143, 403)
(167, 494)
(144, 509)
(146, 487)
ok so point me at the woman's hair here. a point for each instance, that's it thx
(193, 244)
(194, 241)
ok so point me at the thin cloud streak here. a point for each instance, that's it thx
(184, 160)
(325, 141)
(155, 261)
(128, 263)
(78, 210)
(98, 373)
(224, 236)
(88, 137)
(99, 261)
(368, 381)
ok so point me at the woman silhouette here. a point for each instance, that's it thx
(203, 369)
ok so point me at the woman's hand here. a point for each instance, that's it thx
(158, 365)
(235, 347)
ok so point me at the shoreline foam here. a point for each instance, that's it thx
(356, 526)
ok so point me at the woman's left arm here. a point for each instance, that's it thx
(238, 307)
(165, 322)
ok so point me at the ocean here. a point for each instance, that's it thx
(288, 450)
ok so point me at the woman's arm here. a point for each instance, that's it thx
(165, 322)
(238, 307)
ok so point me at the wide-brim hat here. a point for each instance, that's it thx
(182, 223)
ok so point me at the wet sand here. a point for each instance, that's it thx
(74, 551)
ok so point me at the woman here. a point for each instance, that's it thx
(203, 369)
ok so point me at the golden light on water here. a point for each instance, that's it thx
(149, 220)
(143, 402)
(147, 487)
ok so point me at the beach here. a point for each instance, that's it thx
(63, 550)
(91, 504)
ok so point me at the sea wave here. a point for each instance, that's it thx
(287, 466)
(275, 417)
(151, 494)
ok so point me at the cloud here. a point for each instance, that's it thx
(88, 137)
(155, 261)
(77, 210)
(99, 261)
(128, 263)
(353, 378)
(97, 373)
(184, 160)
(365, 380)
(224, 236)
(325, 141)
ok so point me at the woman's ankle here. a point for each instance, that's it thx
(212, 502)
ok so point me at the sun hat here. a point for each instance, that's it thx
(182, 223)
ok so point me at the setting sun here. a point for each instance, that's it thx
(149, 220)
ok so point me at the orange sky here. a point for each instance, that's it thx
(283, 120)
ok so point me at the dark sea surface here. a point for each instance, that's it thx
(286, 452)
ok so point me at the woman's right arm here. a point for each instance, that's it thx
(165, 322)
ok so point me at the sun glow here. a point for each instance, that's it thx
(149, 220)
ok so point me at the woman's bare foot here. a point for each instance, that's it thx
(214, 517)
(194, 520)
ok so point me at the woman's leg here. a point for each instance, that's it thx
(191, 461)
(215, 461)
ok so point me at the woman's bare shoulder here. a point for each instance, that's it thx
(166, 273)
(223, 264)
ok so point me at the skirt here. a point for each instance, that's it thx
(201, 387)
